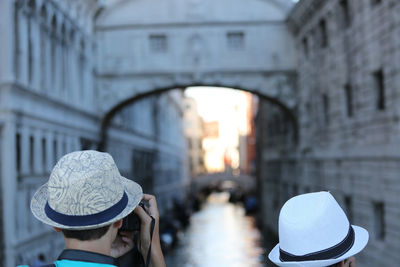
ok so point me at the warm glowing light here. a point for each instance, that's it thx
(228, 108)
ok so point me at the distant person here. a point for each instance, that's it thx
(314, 231)
(86, 199)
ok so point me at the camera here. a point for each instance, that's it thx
(132, 222)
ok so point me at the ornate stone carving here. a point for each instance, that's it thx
(196, 9)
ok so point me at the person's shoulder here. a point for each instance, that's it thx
(46, 265)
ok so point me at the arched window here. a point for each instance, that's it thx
(31, 12)
(43, 46)
(82, 68)
(72, 64)
(64, 67)
(53, 50)
(17, 43)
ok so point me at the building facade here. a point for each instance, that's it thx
(194, 133)
(49, 106)
(348, 117)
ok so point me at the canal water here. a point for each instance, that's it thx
(219, 235)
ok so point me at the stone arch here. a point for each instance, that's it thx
(109, 115)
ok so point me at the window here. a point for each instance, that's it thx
(87, 144)
(305, 46)
(295, 190)
(379, 88)
(323, 32)
(143, 168)
(375, 2)
(235, 40)
(17, 44)
(53, 50)
(348, 202)
(43, 41)
(18, 152)
(158, 43)
(308, 109)
(55, 152)
(31, 153)
(64, 59)
(82, 69)
(44, 157)
(64, 147)
(345, 10)
(379, 220)
(325, 102)
(349, 99)
(30, 52)
(32, 7)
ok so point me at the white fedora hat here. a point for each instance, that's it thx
(314, 231)
(85, 191)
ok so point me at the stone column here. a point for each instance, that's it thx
(23, 40)
(49, 71)
(25, 135)
(43, 59)
(60, 142)
(59, 55)
(72, 66)
(9, 186)
(36, 64)
(7, 45)
(49, 152)
(38, 152)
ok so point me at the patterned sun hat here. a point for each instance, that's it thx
(85, 191)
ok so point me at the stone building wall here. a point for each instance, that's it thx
(348, 113)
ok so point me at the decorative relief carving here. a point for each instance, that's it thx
(196, 49)
(196, 9)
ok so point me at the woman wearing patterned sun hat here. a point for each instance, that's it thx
(86, 199)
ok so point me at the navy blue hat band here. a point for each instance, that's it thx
(86, 220)
(330, 253)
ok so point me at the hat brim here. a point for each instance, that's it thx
(360, 241)
(132, 190)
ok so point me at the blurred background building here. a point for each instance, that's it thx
(194, 133)
(109, 75)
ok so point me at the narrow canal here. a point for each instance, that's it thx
(219, 235)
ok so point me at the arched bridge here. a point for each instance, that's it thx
(245, 182)
(244, 45)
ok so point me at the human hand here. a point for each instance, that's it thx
(350, 262)
(145, 213)
(157, 258)
(122, 244)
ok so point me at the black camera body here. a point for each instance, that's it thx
(132, 222)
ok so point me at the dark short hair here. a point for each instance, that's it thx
(86, 235)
